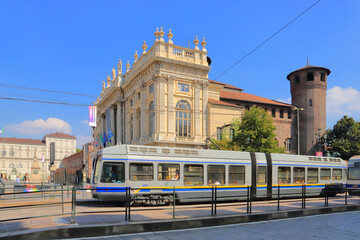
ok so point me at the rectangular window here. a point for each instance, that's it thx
(344, 174)
(4, 153)
(323, 77)
(218, 133)
(141, 172)
(138, 95)
(297, 79)
(11, 153)
(299, 175)
(113, 172)
(183, 87)
(193, 175)
(232, 132)
(288, 144)
(273, 112)
(325, 174)
(216, 174)
(236, 175)
(168, 172)
(354, 173)
(281, 113)
(289, 114)
(131, 103)
(310, 76)
(151, 88)
(337, 174)
(284, 175)
(261, 175)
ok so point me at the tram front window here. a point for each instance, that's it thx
(354, 173)
(112, 173)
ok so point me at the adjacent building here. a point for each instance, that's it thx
(18, 154)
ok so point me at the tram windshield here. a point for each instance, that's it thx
(112, 172)
(354, 173)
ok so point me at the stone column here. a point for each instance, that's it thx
(112, 125)
(143, 111)
(197, 120)
(171, 108)
(204, 109)
(155, 132)
(162, 110)
(134, 123)
(118, 123)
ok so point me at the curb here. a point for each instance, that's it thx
(97, 230)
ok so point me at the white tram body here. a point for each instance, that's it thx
(353, 182)
(152, 173)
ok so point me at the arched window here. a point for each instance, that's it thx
(138, 123)
(20, 165)
(151, 118)
(183, 119)
(12, 165)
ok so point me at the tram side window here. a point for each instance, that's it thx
(313, 175)
(299, 175)
(336, 174)
(325, 174)
(354, 173)
(284, 175)
(112, 173)
(236, 175)
(216, 174)
(97, 170)
(193, 175)
(141, 172)
(168, 172)
(344, 174)
(261, 175)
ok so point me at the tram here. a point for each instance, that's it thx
(353, 182)
(153, 172)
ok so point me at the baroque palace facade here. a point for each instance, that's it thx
(166, 99)
(18, 154)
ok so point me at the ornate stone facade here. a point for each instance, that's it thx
(167, 99)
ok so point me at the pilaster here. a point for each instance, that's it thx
(143, 111)
(171, 107)
(118, 123)
(197, 120)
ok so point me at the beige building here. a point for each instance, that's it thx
(165, 98)
(18, 154)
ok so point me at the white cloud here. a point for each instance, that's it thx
(340, 102)
(40, 127)
(81, 140)
(288, 100)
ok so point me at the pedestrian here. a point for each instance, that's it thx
(17, 180)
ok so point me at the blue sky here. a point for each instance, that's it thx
(71, 46)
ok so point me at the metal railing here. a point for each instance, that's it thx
(213, 197)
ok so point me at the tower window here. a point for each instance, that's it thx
(273, 112)
(323, 77)
(297, 79)
(281, 113)
(310, 102)
(289, 114)
(183, 87)
(310, 76)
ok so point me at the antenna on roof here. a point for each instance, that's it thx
(189, 43)
(308, 60)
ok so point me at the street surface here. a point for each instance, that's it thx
(329, 226)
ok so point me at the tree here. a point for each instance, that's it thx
(344, 137)
(255, 133)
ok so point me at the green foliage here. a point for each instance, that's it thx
(255, 133)
(344, 137)
(78, 150)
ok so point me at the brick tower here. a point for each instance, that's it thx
(308, 93)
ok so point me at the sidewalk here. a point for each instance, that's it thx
(91, 225)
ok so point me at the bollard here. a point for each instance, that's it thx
(212, 201)
(248, 199)
(73, 205)
(215, 198)
(346, 193)
(129, 217)
(62, 199)
(174, 200)
(278, 198)
(126, 204)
